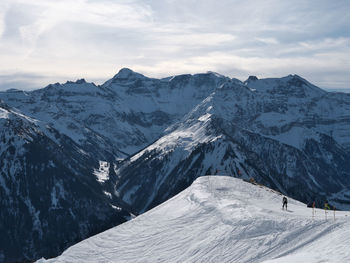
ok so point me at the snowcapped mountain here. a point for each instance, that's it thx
(77, 152)
(120, 117)
(292, 106)
(50, 198)
(285, 133)
(221, 219)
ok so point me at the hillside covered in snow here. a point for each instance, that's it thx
(222, 219)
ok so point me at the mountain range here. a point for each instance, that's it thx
(78, 158)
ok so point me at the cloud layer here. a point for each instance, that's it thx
(49, 41)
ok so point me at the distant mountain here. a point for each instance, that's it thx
(285, 133)
(339, 90)
(120, 117)
(87, 156)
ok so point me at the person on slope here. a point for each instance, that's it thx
(326, 206)
(284, 202)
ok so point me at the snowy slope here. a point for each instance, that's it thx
(221, 219)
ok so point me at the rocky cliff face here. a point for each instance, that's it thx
(77, 158)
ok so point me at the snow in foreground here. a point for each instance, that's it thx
(221, 219)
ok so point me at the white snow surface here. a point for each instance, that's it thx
(102, 174)
(221, 219)
(3, 113)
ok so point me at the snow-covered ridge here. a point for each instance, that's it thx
(221, 219)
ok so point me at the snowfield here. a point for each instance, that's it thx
(221, 219)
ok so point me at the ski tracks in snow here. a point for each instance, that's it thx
(274, 234)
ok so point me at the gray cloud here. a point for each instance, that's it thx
(93, 39)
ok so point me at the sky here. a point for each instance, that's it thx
(47, 41)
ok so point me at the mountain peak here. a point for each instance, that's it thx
(251, 78)
(78, 81)
(297, 81)
(216, 74)
(126, 73)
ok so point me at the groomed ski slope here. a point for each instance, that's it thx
(221, 219)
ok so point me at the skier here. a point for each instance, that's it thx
(326, 206)
(284, 201)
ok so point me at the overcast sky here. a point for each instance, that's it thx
(53, 41)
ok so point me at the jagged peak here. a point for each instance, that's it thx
(78, 81)
(126, 73)
(216, 74)
(183, 77)
(291, 84)
(78, 85)
(297, 81)
(251, 78)
(50, 86)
